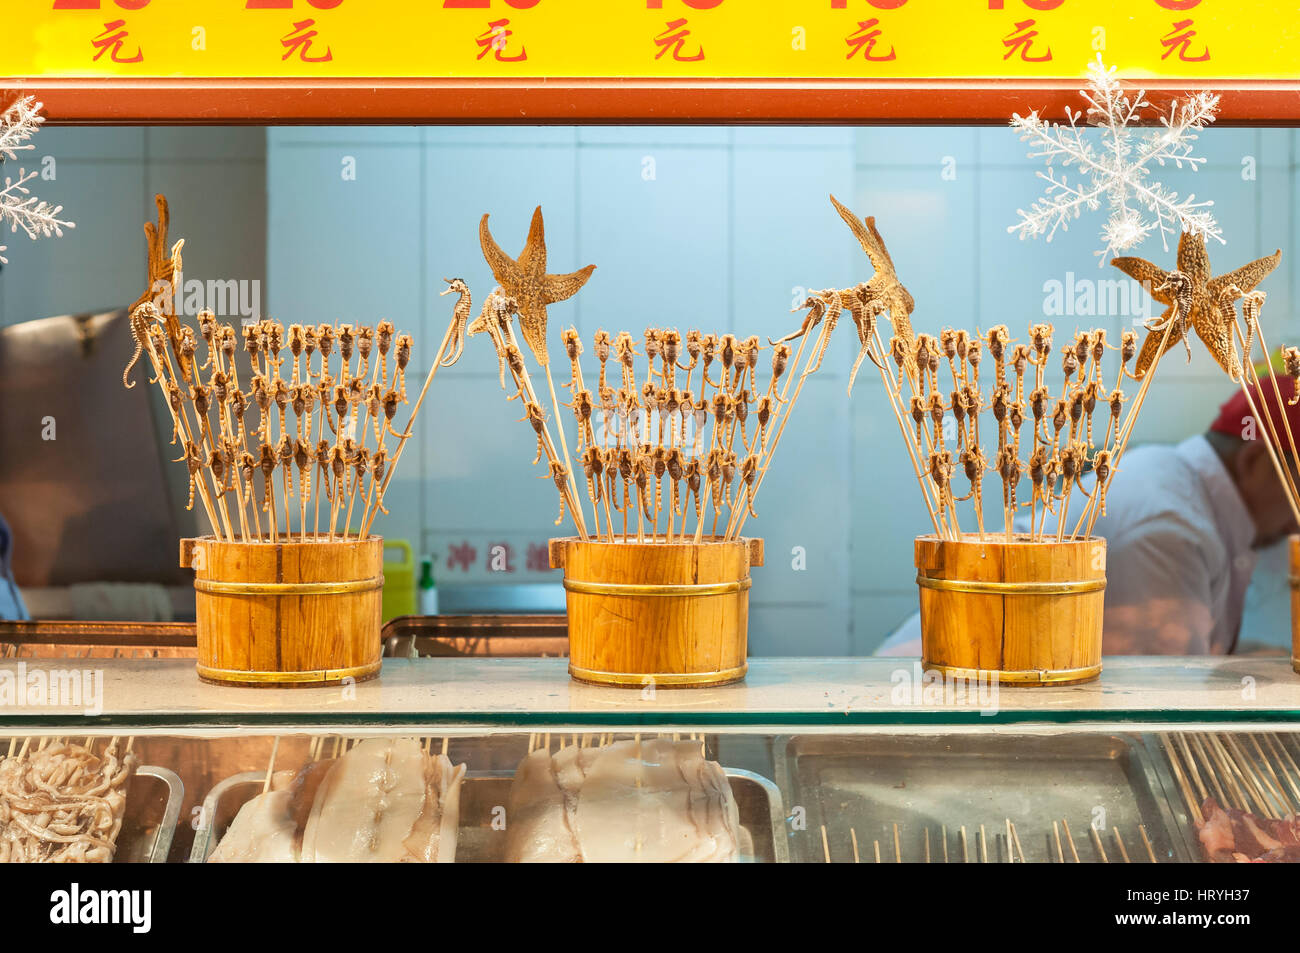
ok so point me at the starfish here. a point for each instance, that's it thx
(884, 284)
(1204, 313)
(525, 279)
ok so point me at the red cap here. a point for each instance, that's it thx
(1236, 409)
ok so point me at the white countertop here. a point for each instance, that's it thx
(813, 692)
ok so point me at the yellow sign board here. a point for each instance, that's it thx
(653, 39)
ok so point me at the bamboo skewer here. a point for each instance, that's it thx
(1074, 853)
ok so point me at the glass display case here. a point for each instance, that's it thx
(841, 761)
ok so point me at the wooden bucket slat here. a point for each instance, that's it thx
(984, 608)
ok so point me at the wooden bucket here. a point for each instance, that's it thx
(287, 614)
(1295, 602)
(674, 615)
(1023, 613)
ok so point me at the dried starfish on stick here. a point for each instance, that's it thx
(526, 281)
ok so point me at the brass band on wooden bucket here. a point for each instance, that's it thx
(1009, 588)
(684, 590)
(1063, 676)
(288, 588)
(228, 676)
(661, 679)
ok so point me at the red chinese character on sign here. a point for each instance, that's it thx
(298, 40)
(1180, 39)
(864, 40)
(539, 558)
(111, 42)
(674, 38)
(500, 556)
(494, 41)
(462, 555)
(1022, 38)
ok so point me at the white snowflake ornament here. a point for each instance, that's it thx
(1117, 170)
(18, 207)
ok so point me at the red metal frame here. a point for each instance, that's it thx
(376, 101)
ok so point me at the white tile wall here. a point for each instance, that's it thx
(730, 225)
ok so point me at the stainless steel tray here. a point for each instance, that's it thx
(762, 817)
(153, 806)
(869, 785)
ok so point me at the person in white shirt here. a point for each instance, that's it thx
(1182, 526)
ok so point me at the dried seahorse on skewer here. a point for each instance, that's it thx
(816, 308)
(866, 314)
(833, 306)
(1251, 305)
(1181, 288)
(139, 322)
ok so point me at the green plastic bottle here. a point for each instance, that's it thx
(428, 588)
